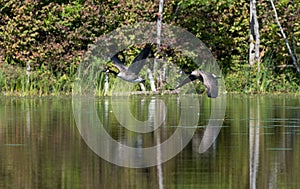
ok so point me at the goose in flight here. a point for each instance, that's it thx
(131, 73)
(210, 82)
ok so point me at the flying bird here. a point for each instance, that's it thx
(210, 82)
(131, 73)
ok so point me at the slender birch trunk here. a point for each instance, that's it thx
(28, 69)
(106, 85)
(158, 42)
(284, 37)
(254, 36)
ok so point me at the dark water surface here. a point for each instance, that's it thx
(258, 145)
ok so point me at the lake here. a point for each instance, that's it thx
(170, 141)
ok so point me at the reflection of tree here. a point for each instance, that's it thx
(254, 134)
(126, 150)
(272, 156)
(54, 155)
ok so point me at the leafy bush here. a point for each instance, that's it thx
(55, 34)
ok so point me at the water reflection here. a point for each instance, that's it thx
(214, 124)
(257, 147)
(161, 142)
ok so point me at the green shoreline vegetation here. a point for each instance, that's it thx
(54, 36)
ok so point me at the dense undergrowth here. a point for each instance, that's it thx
(54, 35)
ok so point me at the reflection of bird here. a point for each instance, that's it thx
(130, 74)
(210, 81)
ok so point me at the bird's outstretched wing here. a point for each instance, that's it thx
(211, 83)
(136, 66)
(118, 63)
(190, 78)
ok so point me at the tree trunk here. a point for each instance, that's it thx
(106, 85)
(285, 39)
(158, 41)
(254, 36)
(151, 79)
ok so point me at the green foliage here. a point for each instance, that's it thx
(50, 34)
(15, 81)
(55, 34)
(267, 79)
(224, 27)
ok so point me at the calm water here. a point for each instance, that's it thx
(42, 144)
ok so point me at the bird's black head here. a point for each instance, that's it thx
(110, 71)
